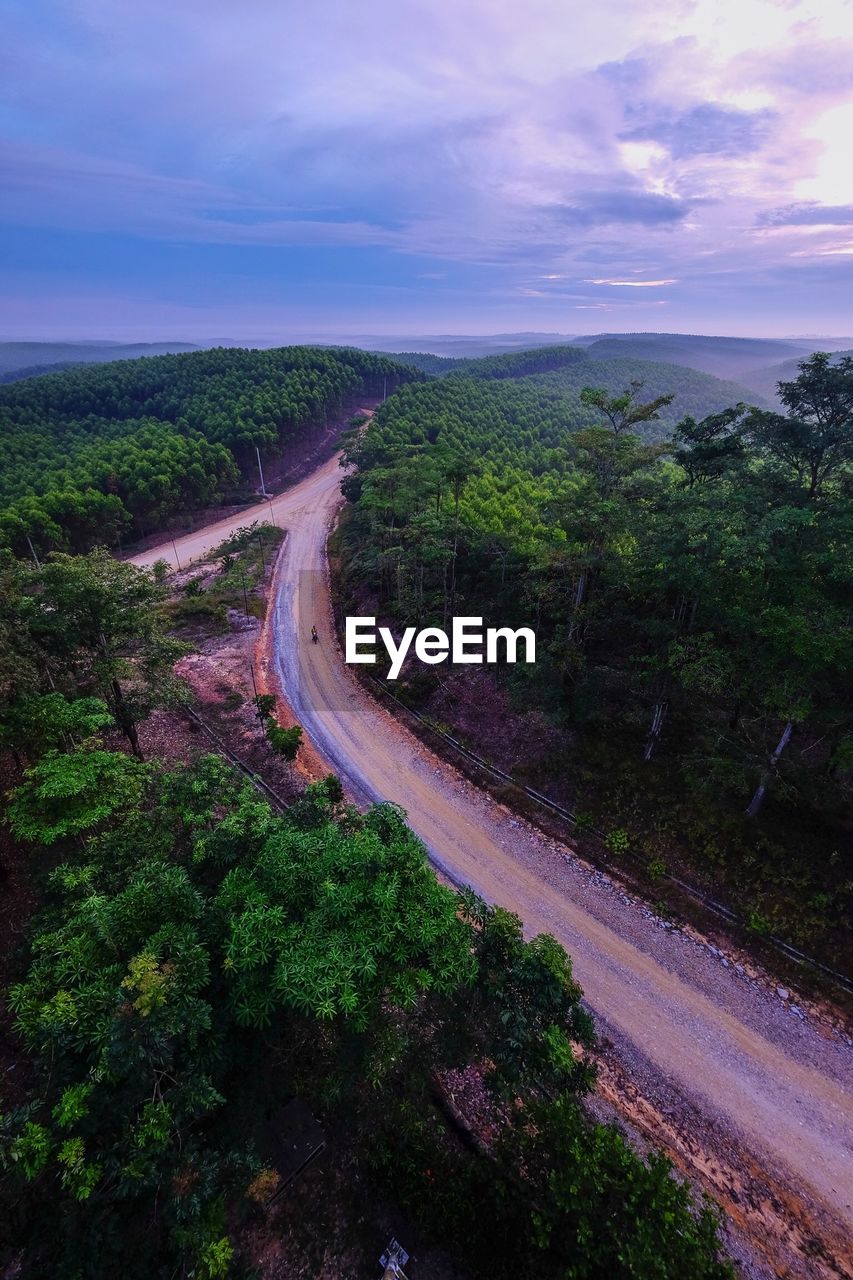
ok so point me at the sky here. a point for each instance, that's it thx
(265, 170)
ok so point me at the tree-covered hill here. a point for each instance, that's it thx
(694, 393)
(103, 450)
(566, 370)
(432, 365)
(520, 364)
(37, 370)
(506, 364)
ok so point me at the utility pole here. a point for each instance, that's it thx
(255, 688)
(174, 547)
(261, 472)
(245, 594)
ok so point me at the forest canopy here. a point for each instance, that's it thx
(110, 451)
(563, 371)
(200, 960)
(691, 597)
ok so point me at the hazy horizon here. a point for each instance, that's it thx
(260, 174)
(331, 337)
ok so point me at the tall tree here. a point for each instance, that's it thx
(815, 439)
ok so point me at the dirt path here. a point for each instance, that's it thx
(747, 1094)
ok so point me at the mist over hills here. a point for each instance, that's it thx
(763, 381)
(17, 356)
(750, 367)
(721, 356)
(567, 369)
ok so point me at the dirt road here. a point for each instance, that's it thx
(748, 1094)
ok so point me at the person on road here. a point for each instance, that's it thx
(314, 635)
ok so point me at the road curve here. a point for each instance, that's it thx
(765, 1080)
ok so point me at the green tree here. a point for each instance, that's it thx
(815, 439)
(66, 795)
(284, 742)
(162, 941)
(99, 618)
(625, 411)
(36, 723)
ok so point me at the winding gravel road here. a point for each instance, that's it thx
(757, 1095)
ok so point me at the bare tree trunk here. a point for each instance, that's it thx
(679, 611)
(455, 549)
(125, 720)
(580, 590)
(580, 593)
(754, 806)
(655, 730)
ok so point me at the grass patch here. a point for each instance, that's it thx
(191, 610)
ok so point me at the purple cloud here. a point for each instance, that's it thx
(708, 129)
(639, 208)
(808, 215)
(449, 149)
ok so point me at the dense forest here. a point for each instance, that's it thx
(198, 961)
(694, 394)
(111, 451)
(562, 372)
(691, 600)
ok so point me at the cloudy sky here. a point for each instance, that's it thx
(265, 169)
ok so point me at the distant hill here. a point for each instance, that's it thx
(513, 364)
(32, 355)
(696, 394)
(764, 381)
(521, 364)
(37, 371)
(432, 365)
(723, 357)
(568, 369)
(461, 346)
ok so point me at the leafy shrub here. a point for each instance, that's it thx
(617, 841)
